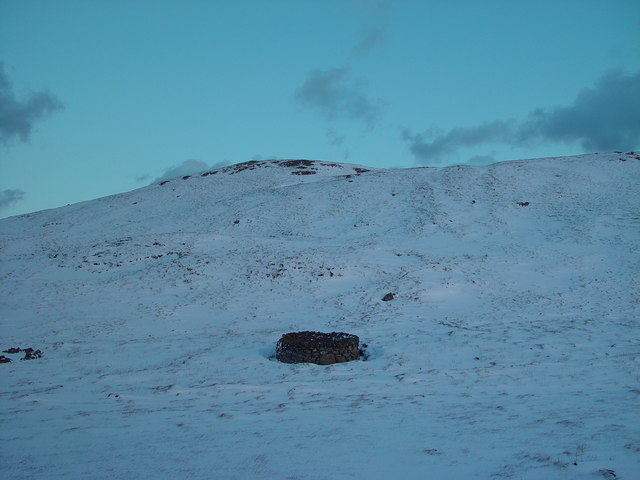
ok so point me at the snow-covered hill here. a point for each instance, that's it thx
(510, 348)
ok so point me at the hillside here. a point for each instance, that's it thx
(509, 350)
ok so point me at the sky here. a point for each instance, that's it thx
(102, 97)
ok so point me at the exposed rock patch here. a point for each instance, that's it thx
(296, 163)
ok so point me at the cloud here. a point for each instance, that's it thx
(256, 158)
(143, 178)
(481, 160)
(603, 118)
(377, 15)
(600, 119)
(188, 167)
(10, 197)
(17, 117)
(336, 96)
(335, 138)
(370, 37)
(442, 145)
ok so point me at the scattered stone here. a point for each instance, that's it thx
(364, 355)
(431, 451)
(388, 297)
(31, 354)
(240, 167)
(608, 474)
(317, 347)
(523, 204)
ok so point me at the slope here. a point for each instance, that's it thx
(509, 350)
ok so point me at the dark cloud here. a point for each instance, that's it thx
(603, 118)
(600, 119)
(369, 38)
(437, 149)
(18, 117)
(10, 197)
(335, 95)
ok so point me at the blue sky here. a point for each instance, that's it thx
(102, 97)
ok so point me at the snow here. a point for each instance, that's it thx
(510, 349)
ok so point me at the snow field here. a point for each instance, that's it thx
(510, 349)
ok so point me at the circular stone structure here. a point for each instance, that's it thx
(317, 347)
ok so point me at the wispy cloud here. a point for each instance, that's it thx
(432, 147)
(17, 117)
(369, 38)
(603, 118)
(335, 95)
(257, 157)
(335, 138)
(377, 15)
(481, 160)
(188, 167)
(10, 197)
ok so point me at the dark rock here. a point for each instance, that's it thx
(388, 297)
(4, 359)
(13, 350)
(364, 355)
(31, 354)
(240, 167)
(523, 204)
(317, 347)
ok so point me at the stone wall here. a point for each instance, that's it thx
(317, 347)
